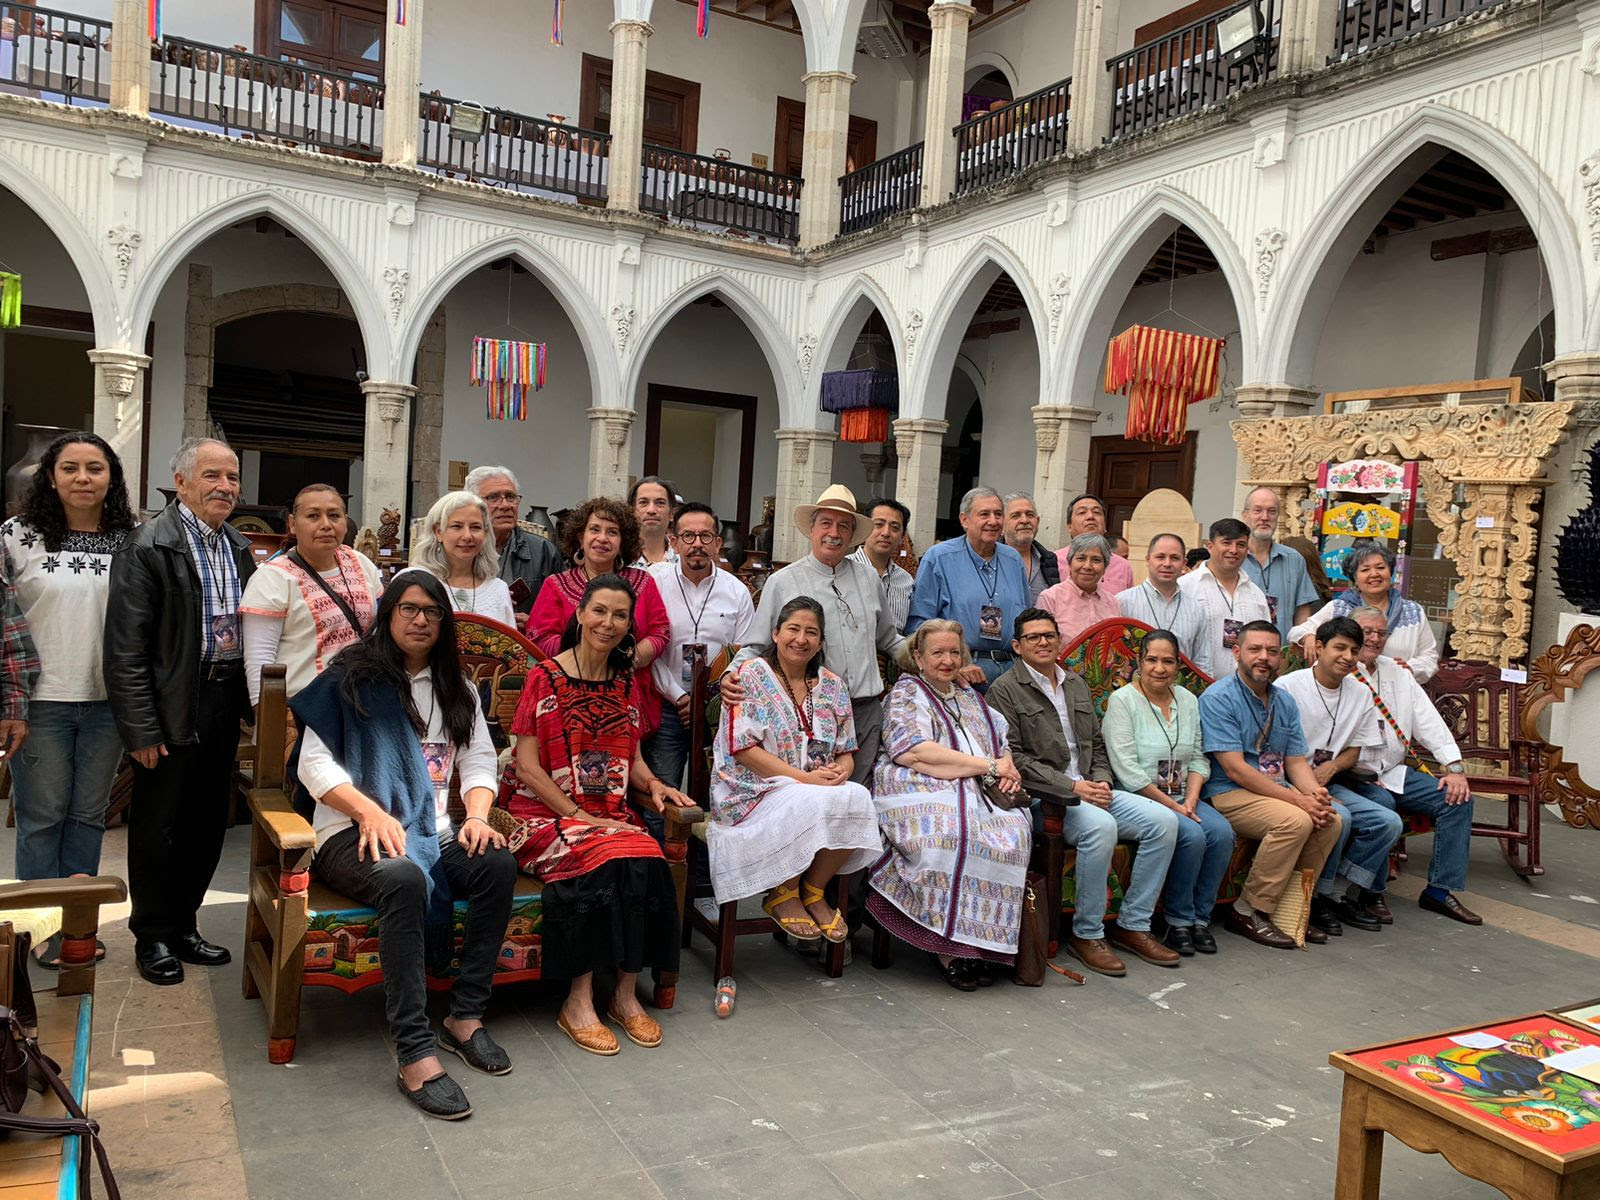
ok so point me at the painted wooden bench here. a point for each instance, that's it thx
(300, 933)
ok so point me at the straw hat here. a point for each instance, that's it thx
(835, 498)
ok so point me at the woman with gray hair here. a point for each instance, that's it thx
(457, 547)
(1368, 568)
(1079, 600)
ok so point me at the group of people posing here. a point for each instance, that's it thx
(931, 787)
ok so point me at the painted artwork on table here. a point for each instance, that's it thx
(1584, 1014)
(1499, 1074)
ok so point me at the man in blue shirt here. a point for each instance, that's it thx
(977, 580)
(1277, 570)
(1263, 784)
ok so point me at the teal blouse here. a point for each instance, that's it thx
(1139, 740)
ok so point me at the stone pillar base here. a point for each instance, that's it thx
(920, 445)
(119, 411)
(1576, 377)
(805, 468)
(610, 451)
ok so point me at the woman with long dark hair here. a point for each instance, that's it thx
(608, 898)
(382, 732)
(58, 553)
(785, 817)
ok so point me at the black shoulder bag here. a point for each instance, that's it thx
(344, 605)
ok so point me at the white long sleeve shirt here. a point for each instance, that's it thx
(475, 762)
(1413, 711)
(717, 611)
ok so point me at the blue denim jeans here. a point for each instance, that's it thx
(1094, 832)
(1369, 831)
(62, 778)
(1452, 826)
(1198, 865)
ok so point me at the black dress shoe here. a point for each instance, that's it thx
(1352, 912)
(1203, 941)
(439, 1097)
(1181, 939)
(157, 964)
(958, 974)
(1324, 917)
(1450, 907)
(192, 948)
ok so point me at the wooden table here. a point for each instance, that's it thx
(1496, 1114)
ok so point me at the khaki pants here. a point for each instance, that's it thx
(1288, 840)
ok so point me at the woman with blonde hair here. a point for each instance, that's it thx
(953, 879)
(457, 547)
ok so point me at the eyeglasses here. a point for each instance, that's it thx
(849, 613)
(704, 538)
(409, 612)
(503, 498)
(1374, 635)
(1040, 639)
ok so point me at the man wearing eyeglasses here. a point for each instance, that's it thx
(857, 622)
(523, 556)
(705, 605)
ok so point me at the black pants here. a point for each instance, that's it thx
(397, 888)
(179, 816)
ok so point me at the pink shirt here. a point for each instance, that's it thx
(1076, 610)
(1118, 576)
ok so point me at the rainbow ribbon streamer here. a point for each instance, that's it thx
(399, 12)
(155, 20)
(702, 20)
(509, 370)
(556, 21)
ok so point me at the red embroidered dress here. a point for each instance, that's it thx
(588, 736)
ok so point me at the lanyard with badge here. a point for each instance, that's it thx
(1266, 586)
(686, 670)
(1170, 773)
(1268, 762)
(223, 628)
(1322, 754)
(988, 614)
(1172, 609)
(1230, 627)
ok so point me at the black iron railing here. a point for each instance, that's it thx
(1185, 71)
(870, 195)
(246, 95)
(495, 145)
(54, 55)
(999, 143)
(712, 193)
(1365, 24)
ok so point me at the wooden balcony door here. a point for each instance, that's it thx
(1122, 473)
(788, 142)
(671, 105)
(341, 35)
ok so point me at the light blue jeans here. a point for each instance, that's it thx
(1452, 826)
(61, 779)
(1198, 866)
(1368, 833)
(1094, 832)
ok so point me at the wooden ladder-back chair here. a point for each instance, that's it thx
(1485, 717)
(729, 926)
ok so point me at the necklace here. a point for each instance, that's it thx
(802, 706)
(605, 669)
(1333, 710)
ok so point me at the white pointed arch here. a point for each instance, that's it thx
(829, 28)
(763, 326)
(1591, 335)
(574, 300)
(356, 283)
(923, 393)
(1310, 276)
(1092, 315)
(81, 250)
(838, 338)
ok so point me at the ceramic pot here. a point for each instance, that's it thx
(734, 550)
(36, 440)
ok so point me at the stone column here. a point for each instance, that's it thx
(1258, 400)
(1576, 377)
(1062, 433)
(626, 170)
(385, 456)
(826, 141)
(805, 468)
(947, 67)
(402, 75)
(1095, 41)
(872, 464)
(920, 443)
(119, 411)
(1307, 35)
(610, 451)
(130, 61)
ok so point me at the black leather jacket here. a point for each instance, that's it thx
(529, 557)
(152, 638)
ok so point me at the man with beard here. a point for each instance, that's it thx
(523, 556)
(1038, 563)
(1277, 570)
(652, 499)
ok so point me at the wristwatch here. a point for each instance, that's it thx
(1455, 768)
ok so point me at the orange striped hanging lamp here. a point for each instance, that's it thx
(1162, 372)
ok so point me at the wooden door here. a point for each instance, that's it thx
(671, 105)
(788, 140)
(1122, 473)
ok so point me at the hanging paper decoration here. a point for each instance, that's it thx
(556, 21)
(510, 370)
(10, 300)
(702, 19)
(155, 20)
(864, 399)
(1162, 373)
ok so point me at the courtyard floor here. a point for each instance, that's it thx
(1209, 1081)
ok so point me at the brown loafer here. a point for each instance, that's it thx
(1317, 937)
(1095, 954)
(596, 1039)
(1146, 947)
(641, 1030)
(1258, 927)
(1378, 906)
(1450, 907)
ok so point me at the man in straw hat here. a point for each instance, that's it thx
(857, 623)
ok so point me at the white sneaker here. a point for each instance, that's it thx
(706, 906)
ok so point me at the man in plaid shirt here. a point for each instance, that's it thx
(19, 668)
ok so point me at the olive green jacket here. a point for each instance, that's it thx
(1038, 746)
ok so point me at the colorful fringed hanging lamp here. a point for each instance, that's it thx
(509, 370)
(10, 300)
(865, 401)
(1162, 373)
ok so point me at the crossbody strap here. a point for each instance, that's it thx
(333, 594)
(76, 1122)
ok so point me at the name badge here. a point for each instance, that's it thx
(1270, 763)
(1230, 633)
(1272, 608)
(1318, 757)
(225, 635)
(989, 621)
(686, 670)
(594, 769)
(437, 756)
(1171, 775)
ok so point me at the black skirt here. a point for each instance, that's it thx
(623, 914)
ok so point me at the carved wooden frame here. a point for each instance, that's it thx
(1496, 451)
(1551, 676)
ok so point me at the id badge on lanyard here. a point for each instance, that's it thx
(989, 621)
(225, 635)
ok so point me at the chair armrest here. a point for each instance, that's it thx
(59, 893)
(683, 817)
(275, 816)
(1060, 799)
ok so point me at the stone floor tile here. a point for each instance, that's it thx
(766, 1173)
(929, 1163)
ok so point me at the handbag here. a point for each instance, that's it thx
(1002, 800)
(1031, 958)
(20, 1057)
(514, 831)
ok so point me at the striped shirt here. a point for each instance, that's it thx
(219, 589)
